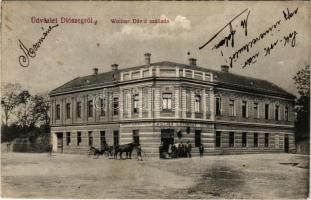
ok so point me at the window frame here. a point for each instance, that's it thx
(167, 102)
(115, 102)
(277, 112)
(218, 106)
(197, 138)
(68, 111)
(267, 111)
(135, 134)
(79, 138)
(68, 138)
(90, 108)
(218, 139)
(286, 113)
(244, 139)
(244, 109)
(90, 138)
(198, 103)
(256, 111)
(79, 109)
(267, 139)
(136, 103)
(57, 111)
(231, 107)
(256, 140)
(231, 139)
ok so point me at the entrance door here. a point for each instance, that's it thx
(60, 142)
(286, 143)
(167, 138)
(115, 138)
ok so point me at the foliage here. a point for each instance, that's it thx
(25, 115)
(9, 93)
(302, 82)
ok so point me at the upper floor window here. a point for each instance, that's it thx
(115, 105)
(167, 101)
(256, 110)
(188, 101)
(244, 109)
(197, 105)
(90, 108)
(57, 111)
(102, 107)
(231, 108)
(135, 103)
(286, 114)
(276, 112)
(266, 111)
(218, 106)
(78, 109)
(68, 110)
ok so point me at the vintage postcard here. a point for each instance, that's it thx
(145, 100)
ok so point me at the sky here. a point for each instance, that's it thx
(72, 50)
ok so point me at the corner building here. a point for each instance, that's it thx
(166, 102)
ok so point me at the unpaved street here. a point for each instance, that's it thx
(230, 176)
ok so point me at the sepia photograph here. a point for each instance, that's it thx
(155, 100)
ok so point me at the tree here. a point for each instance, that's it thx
(41, 111)
(9, 100)
(24, 110)
(302, 82)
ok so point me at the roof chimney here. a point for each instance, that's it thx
(95, 70)
(192, 62)
(224, 68)
(147, 58)
(114, 67)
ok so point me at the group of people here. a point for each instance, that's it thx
(179, 150)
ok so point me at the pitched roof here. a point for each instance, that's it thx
(224, 79)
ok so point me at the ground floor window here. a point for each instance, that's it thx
(103, 138)
(255, 139)
(68, 139)
(266, 139)
(218, 139)
(197, 138)
(136, 136)
(115, 138)
(79, 138)
(90, 134)
(231, 139)
(244, 139)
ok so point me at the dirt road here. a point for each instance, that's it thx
(232, 176)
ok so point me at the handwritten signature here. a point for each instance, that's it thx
(31, 52)
(229, 40)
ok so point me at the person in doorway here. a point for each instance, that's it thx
(201, 149)
(188, 149)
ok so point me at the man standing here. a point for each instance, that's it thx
(201, 149)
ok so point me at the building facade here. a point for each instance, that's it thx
(166, 102)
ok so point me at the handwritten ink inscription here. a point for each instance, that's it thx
(31, 52)
(236, 53)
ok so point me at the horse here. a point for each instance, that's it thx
(127, 148)
(96, 152)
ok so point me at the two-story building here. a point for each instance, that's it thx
(167, 102)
